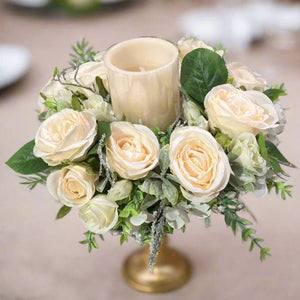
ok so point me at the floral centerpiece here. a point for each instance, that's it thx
(140, 181)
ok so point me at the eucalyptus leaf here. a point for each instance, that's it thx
(201, 70)
(170, 191)
(152, 187)
(164, 159)
(24, 161)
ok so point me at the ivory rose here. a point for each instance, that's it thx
(234, 111)
(132, 150)
(72, 185)
(54, 91)
(185, 46)
(99, 215)
(244, 150)
(86, 75)
(244, 77)
(66, 135)
(199, 162)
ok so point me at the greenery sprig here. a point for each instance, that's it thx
(91, 241)
(82, 53)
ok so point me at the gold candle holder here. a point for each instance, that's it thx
(171, 271)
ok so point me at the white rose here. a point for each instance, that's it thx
(234, 111)
(72, 185)
(54, 91)
(199, 162)
(99, 215)
(66, 135)
(86, 76)
(120, 190)
(244, 150)
(192, 114)
(102, 110)
(244, 77)
(132, 150)
(185, 46)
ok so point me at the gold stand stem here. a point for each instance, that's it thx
(171, 271)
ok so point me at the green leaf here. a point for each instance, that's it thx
(222, 139)
(101, 88)
(263, 253)
(24, 161)
(64, 210)
(275, 92)
(101, 185)
(76, 104)
(164, 159)
(55, 72)
(246, 233)
(43, 96)
(170, 191)
(262, 146)
(104, 128)
(274, 152)
(201, 70)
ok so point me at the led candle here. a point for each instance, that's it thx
(143, 76)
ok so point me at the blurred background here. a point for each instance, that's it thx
(40, 257)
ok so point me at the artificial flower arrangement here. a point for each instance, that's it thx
(132, 180)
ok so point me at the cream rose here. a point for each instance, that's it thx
(66, 135)
(99, 215)
(132, 150)
(199, 162)
(234, 111)
(185, 46)
(72, 185)
(244, 77)
(244, 150)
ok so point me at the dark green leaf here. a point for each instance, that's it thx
(274, 152)
(104, 128)
(275, 92)
(24, 161)
(93, 150)
(262, 146)
(201, 70)
(64, 210)
(101, 88)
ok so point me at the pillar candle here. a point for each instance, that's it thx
(143, 76)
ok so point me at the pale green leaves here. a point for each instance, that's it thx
(201, 70)
(161, 189)
(164, 159)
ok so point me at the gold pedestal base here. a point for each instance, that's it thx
(171, 271)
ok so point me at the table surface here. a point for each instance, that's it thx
(40, 257)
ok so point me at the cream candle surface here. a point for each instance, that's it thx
(143, 76)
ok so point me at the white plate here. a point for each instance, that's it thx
(14, 63)
(29, 3)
